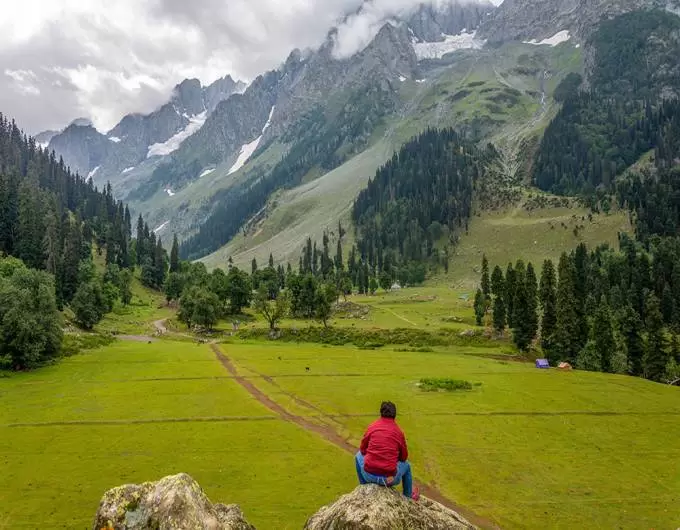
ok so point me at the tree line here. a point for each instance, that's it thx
(53, 224)
(599, 133)
(603, 310)
(205, 297)
(417, 203)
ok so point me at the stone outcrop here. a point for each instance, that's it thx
(173, 503)
(375, 508)
(178, 503)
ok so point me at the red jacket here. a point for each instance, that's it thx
(383, 446)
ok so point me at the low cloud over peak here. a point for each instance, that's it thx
(103, 59)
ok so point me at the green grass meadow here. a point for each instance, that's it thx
(133, 412)
(524, 448)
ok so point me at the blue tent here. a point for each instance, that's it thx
(542, 363)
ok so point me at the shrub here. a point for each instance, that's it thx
(446, 385)
(73, 344)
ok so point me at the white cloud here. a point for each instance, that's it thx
(103, 58)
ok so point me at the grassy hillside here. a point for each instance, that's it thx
(530, 234)
(303, 212)
(493, 95)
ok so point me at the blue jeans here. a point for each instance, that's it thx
(403, 475)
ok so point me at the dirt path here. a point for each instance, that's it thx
(136, 338)
(400, 317)
(330, 435)
(160, 326)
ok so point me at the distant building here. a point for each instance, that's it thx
(395, 287)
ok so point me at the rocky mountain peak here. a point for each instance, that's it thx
(188, 97)
(432, 21)
(81, 122)
(540, 19)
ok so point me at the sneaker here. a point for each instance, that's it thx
(416, 493)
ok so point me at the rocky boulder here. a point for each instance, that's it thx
(372, 507)
(172, 503)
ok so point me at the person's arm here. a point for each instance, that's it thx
(364, 442)
(403, 449)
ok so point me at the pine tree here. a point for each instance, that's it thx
(675, 348)
(510, 294)
(174, 255)
(521, 318)
(485, 284)
(548, 300)
(271, 260)
(160, 264)
(603, 335)
(567, 337)
(339, 263)
(498, 290)
(480, 307)
(667, 304)
(631, 329)
(253, 267)
(531, 287)
(580, 262)
(656, 356)
(141, 240)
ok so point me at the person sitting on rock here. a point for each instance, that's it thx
(383, 456)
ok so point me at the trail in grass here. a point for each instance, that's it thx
(329, 434)
(401, 317)
(92, 423)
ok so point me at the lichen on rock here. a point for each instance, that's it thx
(373, 507)
(173, 503)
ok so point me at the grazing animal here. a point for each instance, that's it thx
(307, 368)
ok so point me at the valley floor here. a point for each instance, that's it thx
(270, 425)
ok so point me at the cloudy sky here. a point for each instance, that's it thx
(62, 59)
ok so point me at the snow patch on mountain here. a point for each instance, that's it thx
(557, 38)
(161, 227)
(402, 78)
(92, 173)
(170, 192)
(114, 139)
(128, 169)
(451, 43)
(247, 150)
(173, 144)
(206, 172)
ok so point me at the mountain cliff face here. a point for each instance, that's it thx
(307, 96)
(85, 149)
(319, 110)
(430, 23)
(540, 19)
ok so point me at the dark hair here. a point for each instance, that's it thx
(388, 410)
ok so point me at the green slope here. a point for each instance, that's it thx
(492, 95)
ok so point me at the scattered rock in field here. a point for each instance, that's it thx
(452, 319)
(350, 310)
(423, 298)
(468, 333)
(373, 507)
(173, 503)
